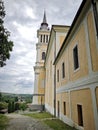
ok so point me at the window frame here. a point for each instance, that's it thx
(58, 74)
(43, 55)
(64, 108)
(63, 70)
(76, 66)
(80, 115)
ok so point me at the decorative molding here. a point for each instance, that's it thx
(79, 84)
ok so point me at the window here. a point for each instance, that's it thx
(41, 38)
(63, 70)
(75, 57)
(43, 55)
(64, 107)
(58, 109)
(57, 75)
(46, 38)
(80, 115)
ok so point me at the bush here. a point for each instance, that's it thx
(23, 106)
(3, 105)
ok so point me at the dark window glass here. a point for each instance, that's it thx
(63, 70)
(43, 55)
(80, 115)
(41, 38)
(46, 38)
(64, 107)
(58, 75)
(75, 56)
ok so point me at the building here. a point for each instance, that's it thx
(71, 69)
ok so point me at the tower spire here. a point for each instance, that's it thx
(44, 18)
(44, 24)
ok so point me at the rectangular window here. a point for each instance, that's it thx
(64, 107)
(41, 38)
(75, 57)
(58, 109)
(80, 115)
(57, 75)
(46, 38)
(63, 70)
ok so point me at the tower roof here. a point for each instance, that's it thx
(44, 18)
(44, 24)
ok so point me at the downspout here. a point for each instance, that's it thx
(55, 76)
(95, 15)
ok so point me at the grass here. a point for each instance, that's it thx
(41, 115)
(57, 124)
(3, 122)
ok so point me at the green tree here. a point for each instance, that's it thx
(23, 106)
(13, 106)
(17, 106)
(9, 107)
(5, 44)
(3, 105)
(0, 96)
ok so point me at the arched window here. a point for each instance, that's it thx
(43, 55)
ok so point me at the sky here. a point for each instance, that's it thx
(23, 18)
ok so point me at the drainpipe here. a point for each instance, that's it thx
(95, 15)
(55, 76)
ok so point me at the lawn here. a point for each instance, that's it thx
(55, 124)
(40, 115)
(3, 122)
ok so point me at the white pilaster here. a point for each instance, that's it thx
(35, 98)
(93, 92)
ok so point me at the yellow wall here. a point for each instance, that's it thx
(58, 98)
(62, 81)
(65, 98)
(93, 43)
(67, 58)
(83, 97)
(80, 40)
(49, 89)
(41, 89)
(97, 96)
(61, 39)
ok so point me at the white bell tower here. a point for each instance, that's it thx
(43, 37)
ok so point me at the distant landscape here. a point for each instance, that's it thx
(11, 96)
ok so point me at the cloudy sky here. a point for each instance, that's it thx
(23, 18)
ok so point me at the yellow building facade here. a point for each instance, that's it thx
(70, 70)
(77, 72)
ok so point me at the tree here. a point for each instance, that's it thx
(0, 96)
(23, 106)
(5, 44)
(9, 107)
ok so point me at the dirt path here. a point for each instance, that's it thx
(21, 122)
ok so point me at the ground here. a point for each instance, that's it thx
(21, 122)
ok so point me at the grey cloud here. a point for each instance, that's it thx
(18, 75)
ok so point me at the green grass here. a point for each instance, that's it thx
(3, 122)
(41, 115)
(56, 124)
